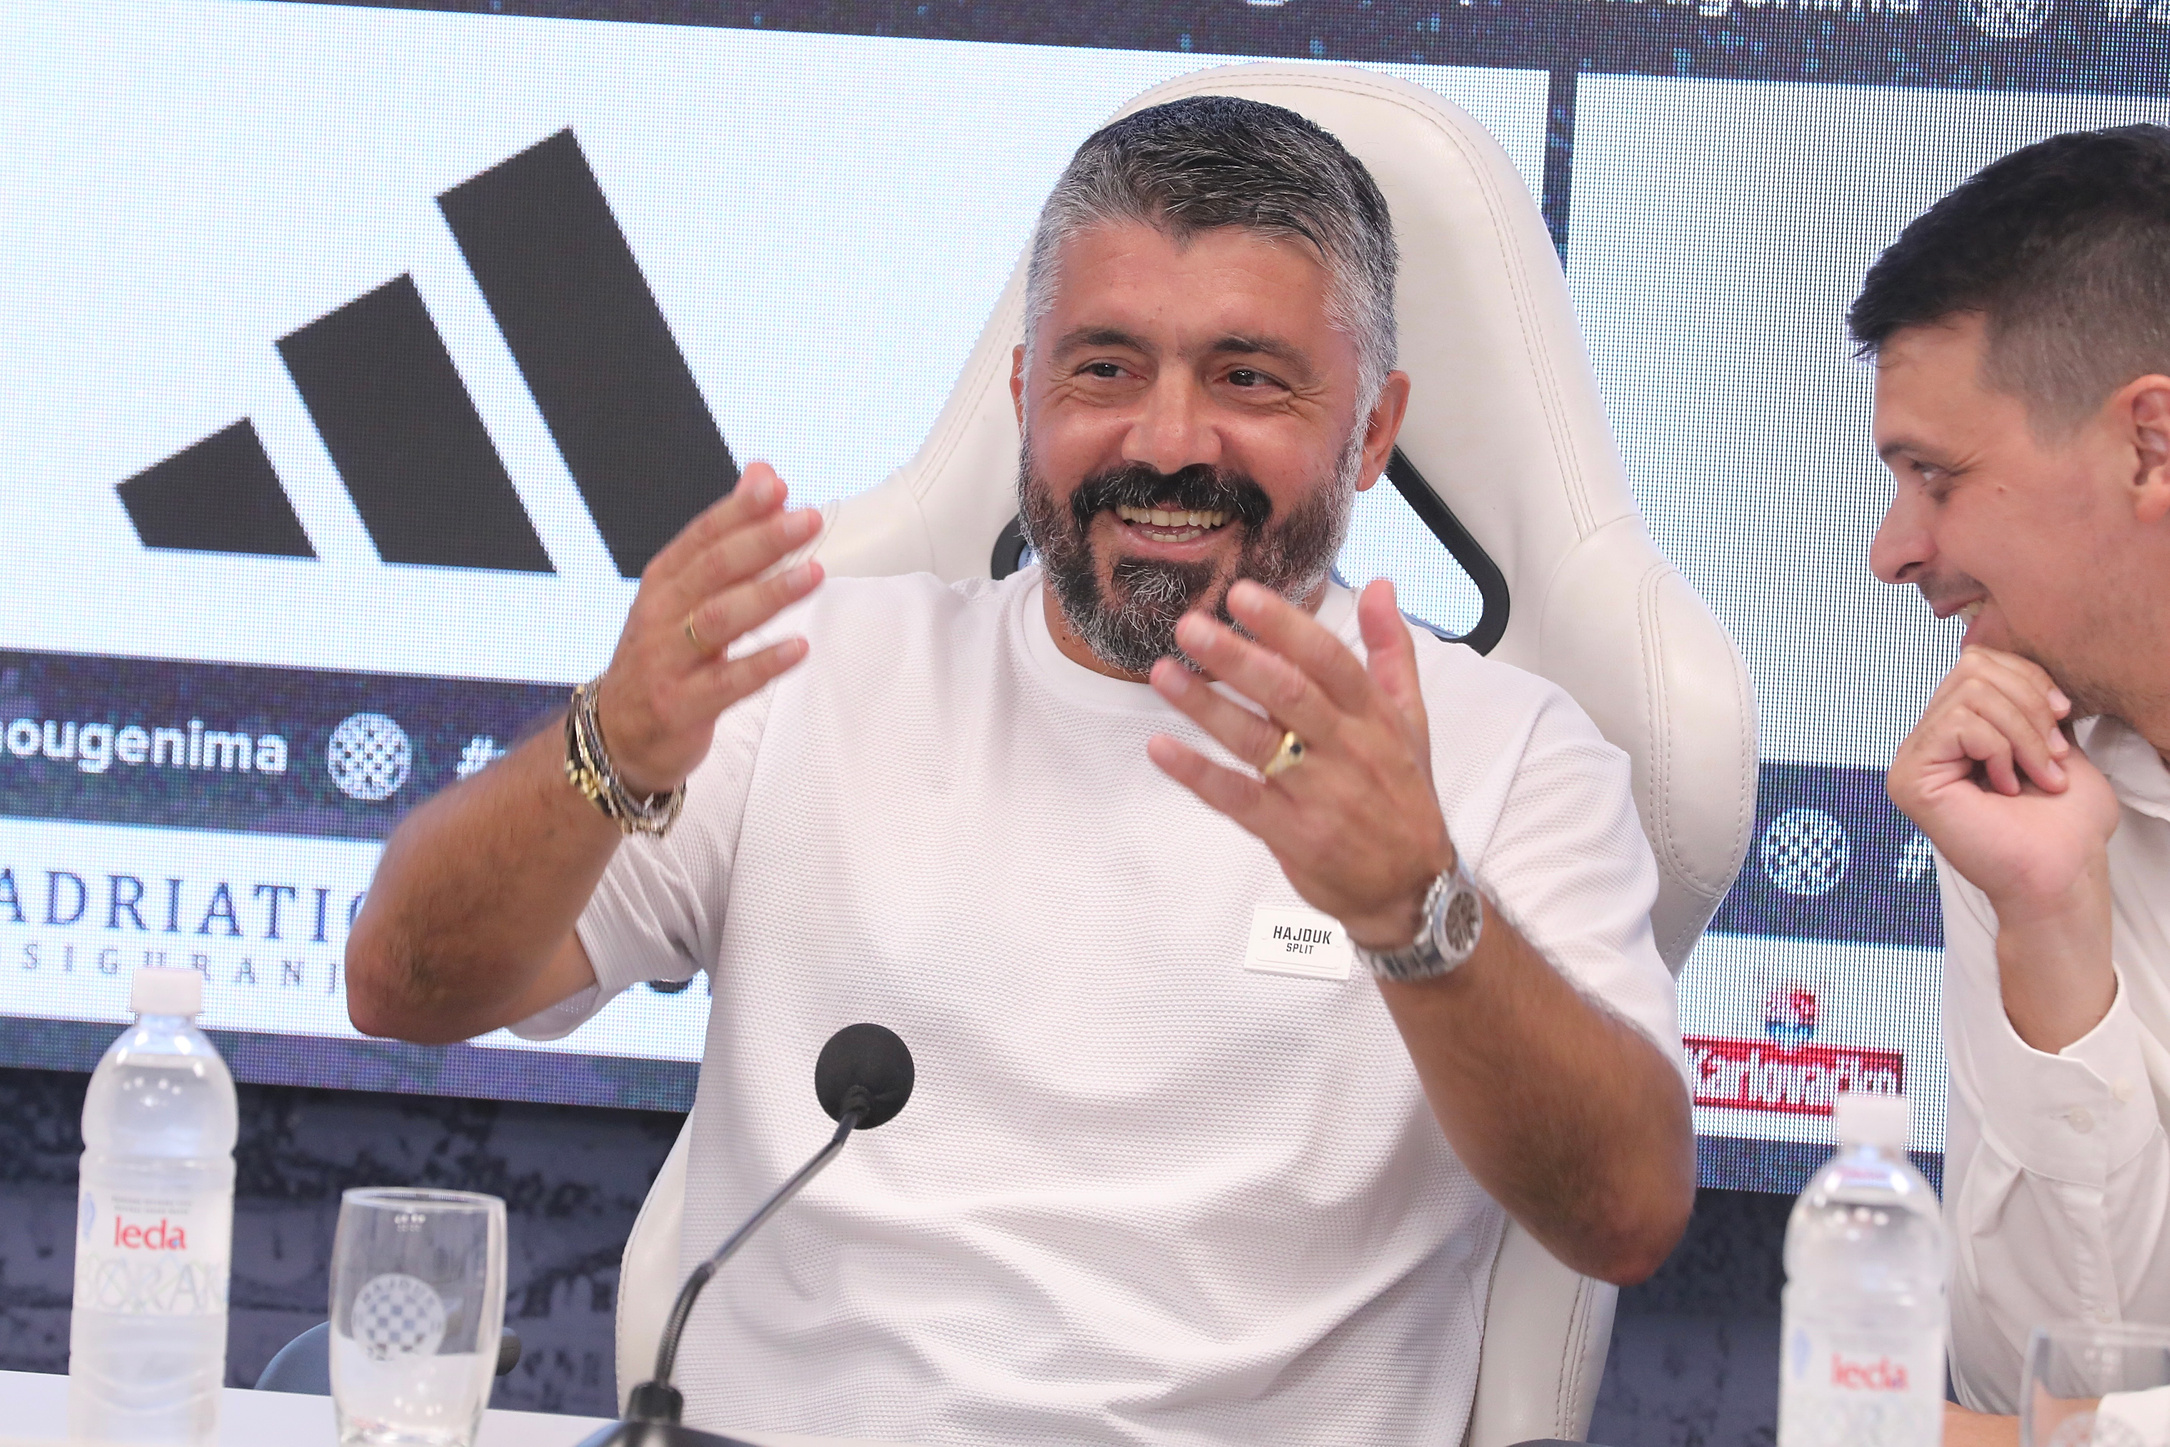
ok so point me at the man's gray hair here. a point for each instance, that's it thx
(1211, 161)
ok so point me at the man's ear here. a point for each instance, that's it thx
(1383, 427)
(2147, 409)
(1017, 385)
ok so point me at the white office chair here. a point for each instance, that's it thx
(1506, 431)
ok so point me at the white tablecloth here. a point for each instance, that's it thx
(34, 1413)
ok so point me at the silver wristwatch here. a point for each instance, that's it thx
(1451, 922)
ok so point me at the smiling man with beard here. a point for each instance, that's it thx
(1259, 956)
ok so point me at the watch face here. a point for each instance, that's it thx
(1459, 922)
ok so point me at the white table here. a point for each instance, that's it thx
(34, 1413)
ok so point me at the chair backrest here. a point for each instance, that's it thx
(1505, 440)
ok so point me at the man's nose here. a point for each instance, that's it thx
(1173, 429)
(1903, 547)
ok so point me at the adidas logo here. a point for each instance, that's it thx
(402, 430)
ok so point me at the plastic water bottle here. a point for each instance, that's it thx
(154, 1228)
(1866, 1265)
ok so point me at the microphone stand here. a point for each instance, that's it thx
(653, 1408)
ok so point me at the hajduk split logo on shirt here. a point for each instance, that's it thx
(1297, 941)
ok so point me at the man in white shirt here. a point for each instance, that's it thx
(2021, 332)
(1172, 1171)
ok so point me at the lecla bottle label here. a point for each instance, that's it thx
(140, 1254)
(1861, 1389)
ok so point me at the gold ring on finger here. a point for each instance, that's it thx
(693, 636)
(1286, 757)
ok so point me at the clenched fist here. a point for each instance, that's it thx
(1992, 777)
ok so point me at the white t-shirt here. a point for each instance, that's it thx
(1142, 1193)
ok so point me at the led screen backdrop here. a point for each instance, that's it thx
(315, 479)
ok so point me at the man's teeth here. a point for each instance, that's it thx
(1972, 611)
(1160, 517)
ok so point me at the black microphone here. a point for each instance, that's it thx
(862, 1078)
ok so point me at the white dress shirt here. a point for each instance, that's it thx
(2056, 1167)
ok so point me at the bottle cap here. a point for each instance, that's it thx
(165, 992)
(1862, 1118)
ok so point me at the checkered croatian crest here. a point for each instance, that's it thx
(1805, 852)
(396, 1316)
(369, 757)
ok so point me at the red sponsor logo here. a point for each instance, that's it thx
(161, 1235)
(1756, 1075)
(1881, 1375)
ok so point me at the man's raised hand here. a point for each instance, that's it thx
(1356, 826)
(1990, 776)
(672, 674)
(1992, 779)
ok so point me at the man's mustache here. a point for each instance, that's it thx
(1947, 588)
(1198, 488)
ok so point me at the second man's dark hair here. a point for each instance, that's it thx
(2063, 249)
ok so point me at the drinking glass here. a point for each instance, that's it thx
(418, 1305)
(2071, 1370)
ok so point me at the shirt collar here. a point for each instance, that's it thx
(2135, 771)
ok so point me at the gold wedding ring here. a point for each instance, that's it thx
(693, 636)
(1286, 757)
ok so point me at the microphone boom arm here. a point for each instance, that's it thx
(862, 1079)
(658, 1396)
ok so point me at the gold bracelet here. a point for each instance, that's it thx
(588, 768)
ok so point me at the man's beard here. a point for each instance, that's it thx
(1130, 622)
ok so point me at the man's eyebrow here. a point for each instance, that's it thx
(1237, 344)
(1908, 446)
(1102, 337)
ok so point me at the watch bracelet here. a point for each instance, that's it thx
(589, 769)
(1421, 959)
